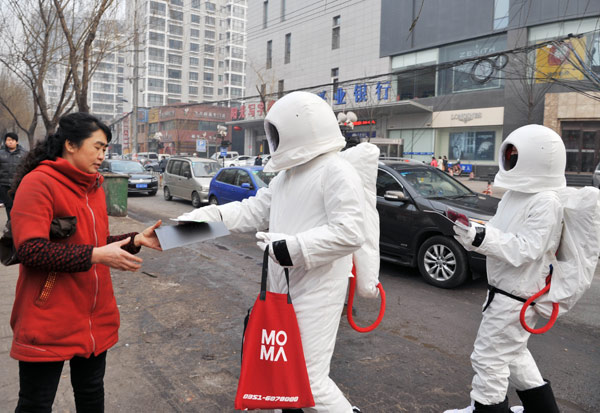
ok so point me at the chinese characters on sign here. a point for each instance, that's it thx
(250, 110)
(361, 93)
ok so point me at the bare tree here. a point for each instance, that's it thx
(16, 102)
(81, 23)
(31, 50)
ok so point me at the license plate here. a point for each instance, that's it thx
(141, 185)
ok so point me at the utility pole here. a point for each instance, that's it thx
(134, 113)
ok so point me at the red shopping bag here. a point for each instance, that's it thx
(273, 374)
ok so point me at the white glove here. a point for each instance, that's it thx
(208, 213)
(466, 235)
(284, 249)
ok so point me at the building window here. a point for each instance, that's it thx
(176, 30)
(288, 48)
(269, 54)
(209, 20)
(206, 90)
(501, 14)
(156, 54)
(175, 59)
(173, 88)
(280, 86)
(418, 83)
(193, 76)
(209, 48)
(195, 19)
(155, 69)
(265, 13)
(195, 4)
(209, 62)
(193, 90)
(236, 80)
(335, 33)
(154, 100)
(194, 33)
(177, 2)
(211, 6)
(194, 47)
(176, 15)
(158, 8)
(157, 39)
(282, 10)
(208, 77)
(174, 74)
(156, 23)
(335, 72)
(156, 85)
(175, 44)
(209, 34)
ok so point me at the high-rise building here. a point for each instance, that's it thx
(189, 51)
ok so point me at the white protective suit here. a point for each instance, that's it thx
(316, 205)
(520, 243)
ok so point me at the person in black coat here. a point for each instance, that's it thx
(258, 161)
(11, 155)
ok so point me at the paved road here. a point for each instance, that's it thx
(180, 335)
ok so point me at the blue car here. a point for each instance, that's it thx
(236, 183)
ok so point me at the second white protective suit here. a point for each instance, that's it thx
(315, 205)
(520, 243)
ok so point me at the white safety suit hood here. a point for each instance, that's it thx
(541, 161)
(300, 126)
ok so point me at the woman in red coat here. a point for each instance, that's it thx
(65, 307)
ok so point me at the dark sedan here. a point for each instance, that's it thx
(412, 200)
(140, 180)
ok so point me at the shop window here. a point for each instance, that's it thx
(417, 83)
(472, 146)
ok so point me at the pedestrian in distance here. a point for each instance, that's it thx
(433, 162)
(162, 165)
(445, 164)
(64, 306)
(258, 161)
(313, 212)
(440, 163)
(520, 243)
(11, 156)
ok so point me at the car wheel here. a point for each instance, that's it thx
(213, 200)
(152, 193)
(443, 262)
(167, 194)
(196, 200)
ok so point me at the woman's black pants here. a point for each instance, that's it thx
(39, 382)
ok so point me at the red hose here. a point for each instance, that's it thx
(351, 301)
(553, 316)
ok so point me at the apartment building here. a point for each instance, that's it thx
(189, 51)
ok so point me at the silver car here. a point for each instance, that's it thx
(596, 177)
(189, 178)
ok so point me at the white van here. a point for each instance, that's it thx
(230, 158)
(189, 178)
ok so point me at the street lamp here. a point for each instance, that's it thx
(346, 123)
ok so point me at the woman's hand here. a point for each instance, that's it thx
(113, 256)
(148, 238)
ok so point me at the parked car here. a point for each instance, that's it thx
(244, 160)
(144, 157)
(237, 183)
(412, 200)
(189, 178)
(154, 165)
(230, 158)
(140, 181)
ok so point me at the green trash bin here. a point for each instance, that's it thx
(115, 188)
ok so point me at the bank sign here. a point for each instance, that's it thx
(360, 94)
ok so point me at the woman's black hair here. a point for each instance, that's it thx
(74, 127)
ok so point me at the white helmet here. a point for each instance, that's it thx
(300, 126)
(537, 165)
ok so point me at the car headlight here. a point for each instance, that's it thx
(154, 179)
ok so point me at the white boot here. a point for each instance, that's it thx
(517, 409)
(468, 409)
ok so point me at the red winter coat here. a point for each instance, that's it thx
(58, 315)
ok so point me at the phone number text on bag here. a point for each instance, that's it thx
(270, 398)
